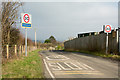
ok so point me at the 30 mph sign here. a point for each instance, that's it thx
(107, 28)
(26, 20)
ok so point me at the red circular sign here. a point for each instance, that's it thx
(26, 18)
(107, 28)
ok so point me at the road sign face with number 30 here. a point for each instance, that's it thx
(26, 20)
(107, 29)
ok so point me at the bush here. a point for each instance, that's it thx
(47, 41)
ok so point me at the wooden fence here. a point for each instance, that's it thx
(16, 50)
(95, 42)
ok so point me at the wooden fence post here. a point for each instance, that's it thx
(28, 48)
(15, 50)
(7, 51)
(22, 49)
(19, 50)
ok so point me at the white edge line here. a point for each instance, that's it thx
(49, 70)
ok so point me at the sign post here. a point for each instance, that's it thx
(119, 38)
(26, 23)
(107, 29)
(35, 38)
(107, 44)
(25, 41)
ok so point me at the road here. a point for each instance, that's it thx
(77, 66)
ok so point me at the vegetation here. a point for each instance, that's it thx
(101, 54)
(51, 40)
(10, 33)
(47, 41)
(27, 67)
(9, 18)
(60, 46)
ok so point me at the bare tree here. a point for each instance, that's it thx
(9, 17)
(0, 43)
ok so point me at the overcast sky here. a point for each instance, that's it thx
(67, 19)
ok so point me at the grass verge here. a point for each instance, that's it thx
(26, 67)
(101, 54)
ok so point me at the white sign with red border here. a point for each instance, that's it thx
(107, 28)
(26, 20)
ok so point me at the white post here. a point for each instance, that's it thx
(107, 44)
(117, 35)
(15, 50)
(7, 51)
(25, 41)
(119, 38)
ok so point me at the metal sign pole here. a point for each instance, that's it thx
(26, 20)
(35, 37)
(107, 44)
(118, 39)
(25, 41)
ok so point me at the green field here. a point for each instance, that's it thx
(25, 67)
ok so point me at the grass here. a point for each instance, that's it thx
(26, 67)
(101, 54)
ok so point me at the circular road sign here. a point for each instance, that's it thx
(108, 28)
(26, 18)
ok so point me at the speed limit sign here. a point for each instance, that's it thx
(26, 20)
(107, 28)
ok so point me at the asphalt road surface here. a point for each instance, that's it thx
(80, 66)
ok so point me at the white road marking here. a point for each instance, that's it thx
(85, 66)
(63, 67)
(82, 66)
(55, 66)
(88, 66)
(78, 68)
(63, 56)
(57, 56)
(49, 70)
(58, 67)
(47, 58)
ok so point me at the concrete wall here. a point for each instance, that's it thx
(93, 43)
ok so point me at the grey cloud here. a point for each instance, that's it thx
(64, 20)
